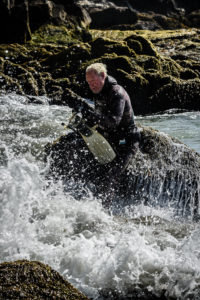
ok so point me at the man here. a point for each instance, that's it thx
(113, 114)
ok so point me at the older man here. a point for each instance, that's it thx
(113, 113)
(114, 116)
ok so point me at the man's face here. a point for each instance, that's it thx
(95, 81)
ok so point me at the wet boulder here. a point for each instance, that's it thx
(14, 16)
(194, 18)
(22, 18)
(33, 280)
(164, 172)
(107, 17)
(177, 94)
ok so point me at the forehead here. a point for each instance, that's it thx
(91, 75)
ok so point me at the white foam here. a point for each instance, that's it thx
(93, 249)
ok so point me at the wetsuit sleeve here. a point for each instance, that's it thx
(110, 120)
(74, 101)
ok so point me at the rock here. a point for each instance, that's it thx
(177, 94)
(158, 6)
(152, 15)
(164, 171)
(22, 18)
(15, 18)
(148, 64)
(146, 47)
(100, 46)
(194, 18)
(34, 280)
(188, 5)
(108, 17)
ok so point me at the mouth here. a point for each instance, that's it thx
(94, 89)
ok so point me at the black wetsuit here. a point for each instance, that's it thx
(115, 117)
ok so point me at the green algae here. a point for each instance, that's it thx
(147, 47)
(101, 46)
(139, 60)
(34, 280)
(147, 34)
(54, 34)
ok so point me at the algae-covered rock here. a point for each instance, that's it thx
(194, 18)
(142, 62)
(54, 34)
(163, 172)
(9, 84)
(146, 46)
(105, 17)
(137, 87)
(33, 280)
(177, 94)
(100, 46)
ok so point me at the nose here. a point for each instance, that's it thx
(92, 85)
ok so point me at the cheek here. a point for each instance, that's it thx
(94, 84)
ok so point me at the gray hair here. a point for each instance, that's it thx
(98, 68)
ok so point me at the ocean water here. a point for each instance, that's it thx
(144, 250)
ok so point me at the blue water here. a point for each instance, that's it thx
(185, 126)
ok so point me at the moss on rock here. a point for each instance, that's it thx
(147, 47)
(177, 94)
(34, 280)
(148, 62)
(115, 62)
(100, 46)
(138, 89)
(56, 59)
(170, 67)
(156, 80)
(9, 84)
(134, 45)
(54, 34)
(186, 74)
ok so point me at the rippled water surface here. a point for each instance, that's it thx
(184, 125)
(144, 248)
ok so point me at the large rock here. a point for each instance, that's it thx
(14, 17)
(164, 172)
(22, 17)
(33, 280)
(109, 17)
(146, 64)
(137, 14)
(188, 5)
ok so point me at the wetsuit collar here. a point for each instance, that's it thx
(108, 82)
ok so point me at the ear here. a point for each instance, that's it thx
(103, 75)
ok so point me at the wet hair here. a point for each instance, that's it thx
(98, 68)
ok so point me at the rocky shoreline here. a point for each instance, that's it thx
(160, 69)
(152, 49)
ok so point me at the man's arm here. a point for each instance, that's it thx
(112, 118)
(74, 101)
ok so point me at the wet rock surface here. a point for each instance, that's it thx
(164, 172)
(155, 14)
(47, 52)
(34, 280)
(150, 65)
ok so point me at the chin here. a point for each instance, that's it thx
(95, 91)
